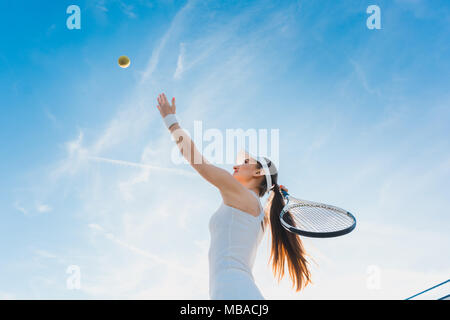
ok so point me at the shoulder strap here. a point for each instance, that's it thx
(261, 214)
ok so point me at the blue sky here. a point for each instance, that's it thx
(363, 117)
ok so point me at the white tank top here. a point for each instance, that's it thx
(235, 237)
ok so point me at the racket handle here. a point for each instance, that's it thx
(284, 193)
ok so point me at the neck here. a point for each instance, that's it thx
(252, 187)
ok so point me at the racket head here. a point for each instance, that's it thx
(314, 219)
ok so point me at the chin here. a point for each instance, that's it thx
(236, 177)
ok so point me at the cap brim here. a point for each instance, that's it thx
(244, 154)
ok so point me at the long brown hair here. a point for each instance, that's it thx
(286, 246)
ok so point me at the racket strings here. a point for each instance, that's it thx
(318, 218)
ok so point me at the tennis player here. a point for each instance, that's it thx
(237, 227)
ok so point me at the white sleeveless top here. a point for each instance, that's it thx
(235, 237)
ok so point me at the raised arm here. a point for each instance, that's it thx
(218, 177)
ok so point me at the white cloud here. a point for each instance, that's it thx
(173, 28)
(101, 5)
(76, 157)
(51, 116)
(147, 167)
(180, 62)
(361, 74)
(40, 208)
(127, 9)
(45, 254)
(43, 208)
(20, 208)
(175, 277)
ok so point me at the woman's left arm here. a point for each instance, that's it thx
(218, 177)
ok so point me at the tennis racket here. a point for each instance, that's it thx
(316, 220)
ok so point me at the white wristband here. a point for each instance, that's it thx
(170, 119)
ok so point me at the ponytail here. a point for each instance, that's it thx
(286, 245)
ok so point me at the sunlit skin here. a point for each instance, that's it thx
(248, 174)
(234, 188)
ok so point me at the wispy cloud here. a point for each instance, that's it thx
(180, 62)
(45, 254)
(20, 208)
(76, 156)
(101, 4)
(362, 77)
(31, 209)
(51, 116)
(144, 166)
(43, 208)
(127, 9)
(173, 28)
(169, 264)
(146, 275)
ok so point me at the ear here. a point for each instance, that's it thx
(258, 173)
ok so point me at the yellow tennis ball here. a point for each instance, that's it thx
(124, 61)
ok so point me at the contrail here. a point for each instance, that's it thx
(155, 258)
(145, 166)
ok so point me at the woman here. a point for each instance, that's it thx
(237, 227)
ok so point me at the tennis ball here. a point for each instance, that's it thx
(124, 61)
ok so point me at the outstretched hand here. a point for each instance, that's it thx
(164, 106)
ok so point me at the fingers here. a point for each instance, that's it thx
(160, 99)
(164, 98)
